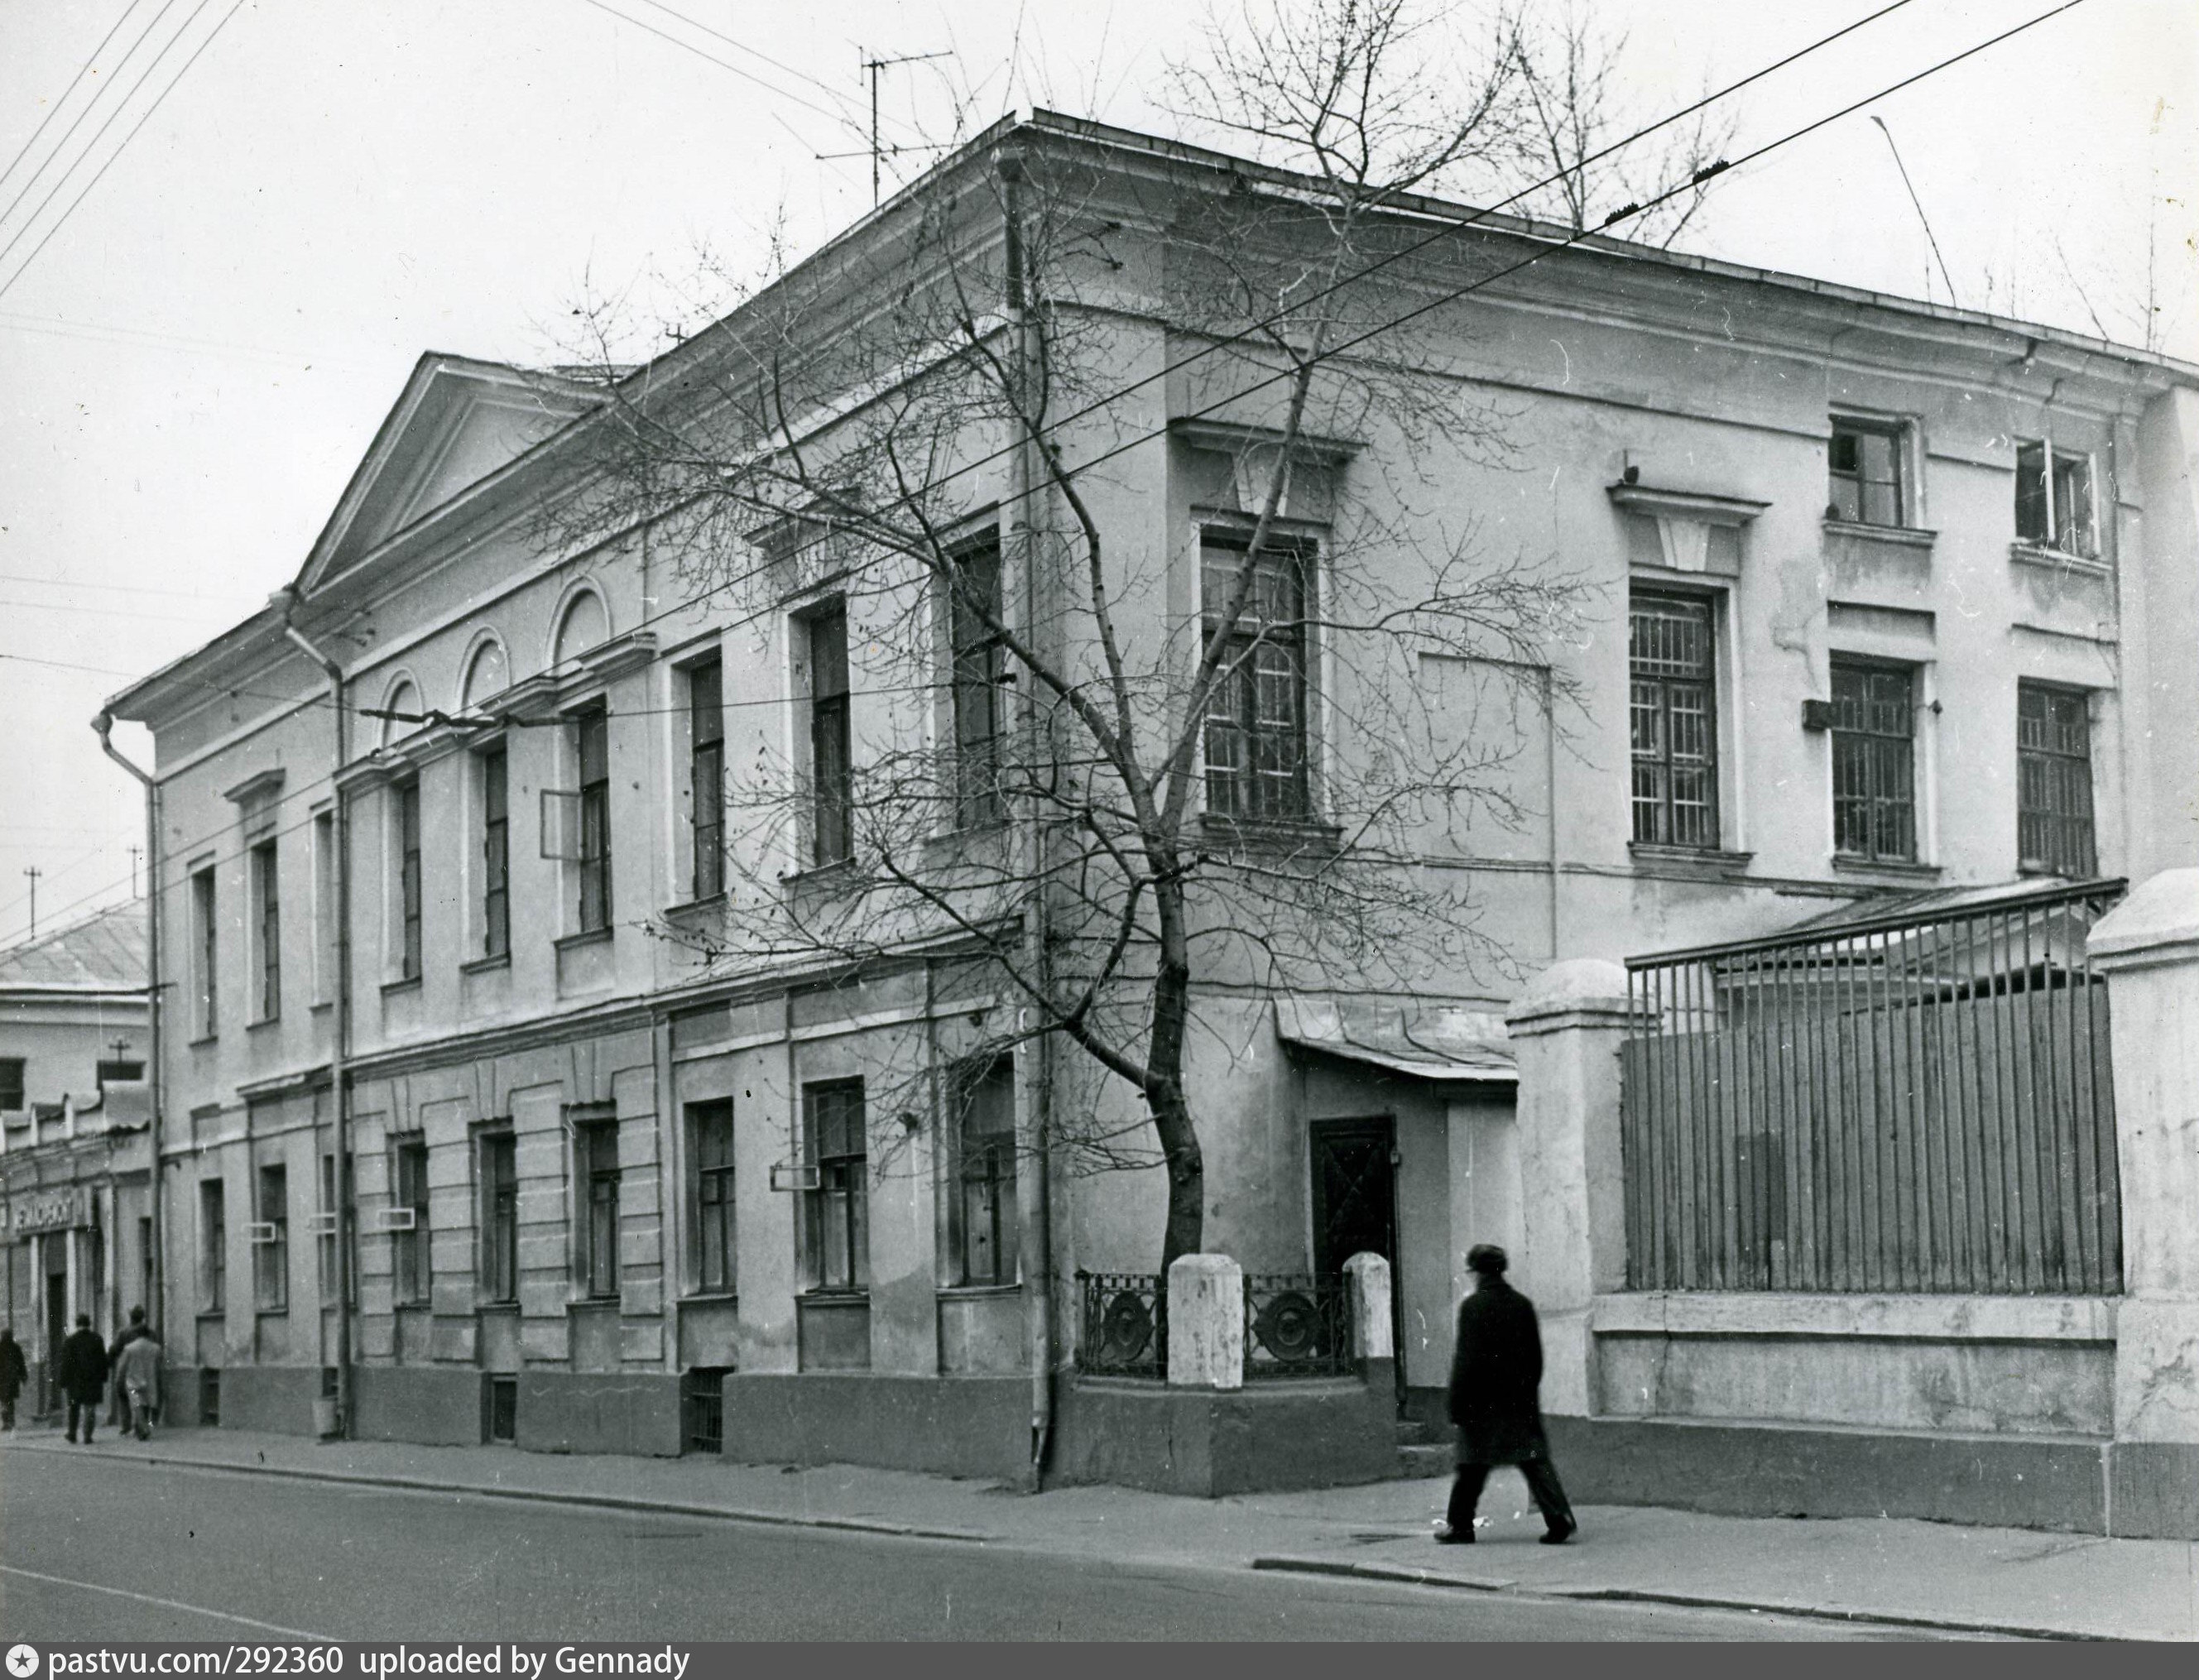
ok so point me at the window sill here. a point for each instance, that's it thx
(592, 1303)
(390, 988)
(487, 964)
(251, 1027)
(211, 1315)
(1252, 835)
(270, 1312)
(1908, 536)
(201, 1043)
(2058, 560)
(1687, 863)
(1886, 869)
(694, 906)
(320, 1005)
(711, 1298)
(2047, 871)
(576, 942)
(977, 1292)
(835, 1298)
(496, 1307)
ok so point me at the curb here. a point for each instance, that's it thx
(601, 1502)
(1430, 1577)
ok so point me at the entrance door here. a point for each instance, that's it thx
(57, 1315)
(1354, 1202)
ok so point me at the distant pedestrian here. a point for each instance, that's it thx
(118, 1402)
(138, 1376)
(1496, 1371)
(13, 1373)
(81, 1371)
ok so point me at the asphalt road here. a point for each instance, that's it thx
(95, 1547)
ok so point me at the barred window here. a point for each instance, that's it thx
(2054, 780)
(1256, 711)
(1874, 762)
(1673, 705)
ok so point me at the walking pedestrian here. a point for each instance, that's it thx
(118, 1402)
(13, 1373)
(138, 1376)
(81, 1371)
(1496, 1371)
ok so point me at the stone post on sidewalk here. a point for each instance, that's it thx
(1367, 1285)
(1206, 1322)
(2147, 948)
(1567, 1030)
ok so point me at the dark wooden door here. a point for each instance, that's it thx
(1354, 1193)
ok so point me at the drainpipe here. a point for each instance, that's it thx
(1032, 1187)
(340, 1059)
(101, 726)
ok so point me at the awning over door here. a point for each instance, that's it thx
(1443, 1046)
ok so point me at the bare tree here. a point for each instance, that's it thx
(913, 457)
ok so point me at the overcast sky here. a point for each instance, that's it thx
(199, 350)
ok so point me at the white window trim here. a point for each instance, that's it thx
(1321, 667)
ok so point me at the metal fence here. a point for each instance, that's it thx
(1125, 1328)
(1297, 1325)
(1913, 1104)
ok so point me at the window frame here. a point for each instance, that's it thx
(1899, 434)
(976, 668)
(271, 1256)
(266, 883)
(496, 1147)
(830, 735)
(2035, 762)
(967, 1085)
(591, 726)
(2050, 533)
(1235, 703)
(491, 766)
(15, 1073)
(409, 1250)
(712, 1185)
(1849, 741)
(323, 832)
(213, 1244)
(842, 1177)
(205, 951)
(706, 777)
(596, 1179)
(332, 1208)
(411, 895)
(1708, 837)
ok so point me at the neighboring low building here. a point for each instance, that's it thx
(75, 1114)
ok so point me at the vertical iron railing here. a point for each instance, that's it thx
(1124, 1326)
(1911, 1104)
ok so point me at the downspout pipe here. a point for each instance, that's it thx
(1033, 1188)
(103, 725)
(340, 1058)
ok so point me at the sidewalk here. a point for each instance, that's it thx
(1885, 1571)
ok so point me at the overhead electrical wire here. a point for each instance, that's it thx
(54, 109)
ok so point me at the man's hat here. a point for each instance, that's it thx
(1488, 1259)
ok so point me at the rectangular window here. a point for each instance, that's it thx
(1866, 487)
(409, 1244)
(706, 775)
(496, 854)
(978, 654)
(204, 936)
(1256, 712)
(983, 1137)
(592, 747)
(266, 933)
(2054, 499)
(331, 1220)
(837, 1226)
(499, 1195)
(324, 906)
(106, 1073)
(408, 880)
(1673, 719)
(831, 768)
(596, 1146)
(270, 1241)
(2054, 780)
(11, 1081)
(213, 1245)
(1874, 762)
(711, 1131)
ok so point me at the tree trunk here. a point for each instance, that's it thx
(1164, 1094)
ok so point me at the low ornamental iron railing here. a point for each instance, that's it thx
(1297, 1325)
(1911, 1103)
(1125, 1328)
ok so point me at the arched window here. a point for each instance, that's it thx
(487, 676)
(404, 696)
(585, 625)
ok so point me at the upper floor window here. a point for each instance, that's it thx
(1255, 725)
(324, 906)
(2054, 499)
(592, 747)
(11, 1082)
(836, 1234)
(982, 1141)
(706, 775)
(491, 766)
(205, 945)
(1673, 710)
(409, 884)
(2054, 780)
(266, 933)
(974, 620)
(1866, 472)
(117, 1072)
(711, 1133)
(1874, 762)
(832, 767)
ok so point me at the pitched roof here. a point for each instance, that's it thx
(105, 952)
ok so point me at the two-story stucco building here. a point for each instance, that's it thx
(1872, 595)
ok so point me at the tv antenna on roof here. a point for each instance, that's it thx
(872, 67)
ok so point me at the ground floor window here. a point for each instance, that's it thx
(982, 1141)
(836, 1236)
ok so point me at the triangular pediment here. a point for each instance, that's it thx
(458, 423)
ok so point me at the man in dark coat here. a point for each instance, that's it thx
(1496, 1368)
(13, 1373)
(81, 1371)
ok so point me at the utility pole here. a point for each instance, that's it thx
(32, 873)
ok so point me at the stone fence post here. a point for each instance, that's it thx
(2147, 948)
(1367, 1282)
(1206, 1322)
(1567, 1030)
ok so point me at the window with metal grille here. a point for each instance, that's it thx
(408, 879)
(2054, 780)
(706, 776)
(592, 747)
(597, 1144)
(496, 853)
(711, 1127)
(1673, 710)
(1256, 731)
(984, 1171)
(271, 1242)
(266, 932)
(409, 1246)
(213, 1245)
(499, 1181)
(1874, 762)
(979, 661)
(210, 1398)
(703, 1408)
(837, 1228)
(2054, 499)
(832, 770)
(1865, 474)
